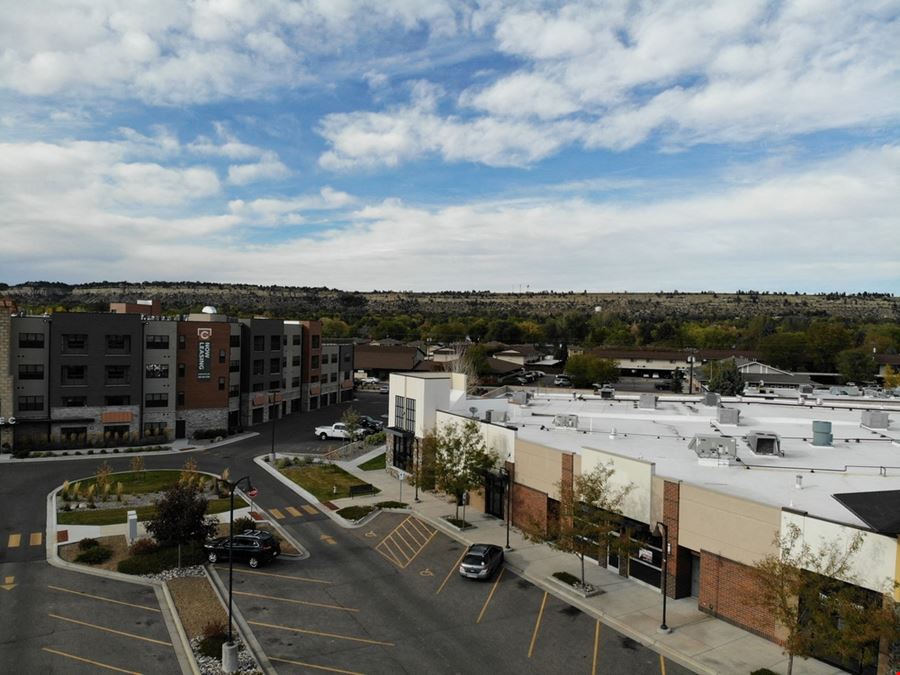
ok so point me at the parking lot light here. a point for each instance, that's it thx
(662, 530)
(229, 649)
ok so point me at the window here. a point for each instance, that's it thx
(295, 340)
(275, 342)
(259, 367)
(31, 403)
(346, 374)
(117, 431)
(180, 370)
(118, 344)
(234, 366)
(259, 386)
(295, 382)
(182, 342)
(234, 391)
(74, 343)
(274, 365)
(156, 371)
(295, 360)
(73, 374)
(334, 358)
(275, 384)
(74, 401)
(179, 398)
(156, 400)
(119, 399)
(31, 340)
(399, 412)
(410, 414)
(221, 356)
(315, 362)
(315, 341)
(118, 374)
(157, 342)
(234, 341)
(221, 384)
(313, 378)
(31, 371)
(155, 429)
(404, 413)
(259, 343)
(72, 434)
(332, 377)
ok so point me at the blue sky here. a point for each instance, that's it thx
(429, 145)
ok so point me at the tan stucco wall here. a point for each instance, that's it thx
(628, 471)
(539, 467)
(734, 528)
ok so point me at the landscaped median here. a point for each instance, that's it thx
(323, 480)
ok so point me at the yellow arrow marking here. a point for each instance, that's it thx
(8, 584)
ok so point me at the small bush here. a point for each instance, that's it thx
(95, 555)
(355, 512)
(88, 543)
(458, 522)
(116, 450)
(391, 505)
(375, 439)
(567, 578)
(215, 628)
(78, 452)
(212, 646)
(142, 546)
(763, 671)
(163, 559)
(244, 523)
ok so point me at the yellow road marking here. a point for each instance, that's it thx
(389, 553)
(399, 538)
(422, 548)
(8, 584)
(14, 540)
(297, 602)
(596, 646)
(419, 526)
(282, 576)
(537, 626)
(93, 663)
(36, 538)
(294, 512)
(389, 556)
(110, 630)
(662, 665)
(8, 580)
(490, 595)
(311, 510)
(452, 570)
(104, 599)
(304, 631)
(278, 514)
(328, 539)
(314, 667)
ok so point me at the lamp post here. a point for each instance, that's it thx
(416, 462)
(662, 530)
(272, 420)
(229, 649)
(690, 360)
(507, 483)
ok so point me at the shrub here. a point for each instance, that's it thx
(763, 671)
(162, 560)
(215, 628)
(391, 505)
(88, 543)
(142, 546)
(212, 646)
(94, 555)
(567, 578)
(355, 512)
(375, 439)
(244, 523)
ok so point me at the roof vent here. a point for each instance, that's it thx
(209, 309)
(765, 443)
(822, 435)
(875, 419)
(607, 392)
(495, 416)
(728, 416)
(713, 450)
(567, 421)
(711, 399)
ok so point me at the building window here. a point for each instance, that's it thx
(118, 344)
(31, 371)
(179, 398)
(181, 370)
(157, 371)
(155, 429)
(234, 367)
(221, 384)
(315, 362)
(275, 384)
(156, 400)
(295, 340)
(295, 360)
(157, 342)
(399, 413)
(182, 342)
(31, 340)
(274, 365)
(74, 343)
(32, 403)
(259, 343)
(295, 382)
(221, 356)
(334, 358)
(410, 414)
(72, 434)
(234, 391)
(120, 399)
(72, 374)
(275, 342)
(259, 367)
(346, 375)
(234, 341)
(259, 386)
(74, 401)
(118, 374)
(315, 341)
(332, 377)
(313, 378)
(117, 431)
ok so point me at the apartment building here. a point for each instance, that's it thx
(262, 359)
(7, 378)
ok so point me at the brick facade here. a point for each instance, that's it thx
(678, 565)
(529, 508)
(728, 591)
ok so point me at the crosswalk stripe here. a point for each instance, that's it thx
(14, 540)
(311, 510)
(278, 514)
(294, 512)
(35, 539)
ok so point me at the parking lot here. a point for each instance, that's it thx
(397, 604)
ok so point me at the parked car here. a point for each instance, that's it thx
(370, 380)
(481, 561)
(254, 547)
(338, 430)
(384, 389)
(371, 424)
(562, 381)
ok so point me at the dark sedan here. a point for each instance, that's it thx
(251, 546)
(481, 561)
(370, 424)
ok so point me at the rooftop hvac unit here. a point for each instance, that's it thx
(765, 443)
(495, 416)
(711, 399)
(519, 398)
(607, 392)
(728, 416)
(875, 419)
(822, 435)
(568, 421)
(647, 401)
(713, 450)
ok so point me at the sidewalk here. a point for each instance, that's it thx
(698, 641)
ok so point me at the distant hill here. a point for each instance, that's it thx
(308, 302)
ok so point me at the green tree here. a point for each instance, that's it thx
(891, 377)
(335, 328)
(784, 350)
(181, 516)
(590, 517)
(461, 459)
(826, 339)
(723, 377)
(810, 593)
(350, 418)
(587, 369)
(857, 365)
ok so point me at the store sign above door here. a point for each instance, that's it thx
(204, 350)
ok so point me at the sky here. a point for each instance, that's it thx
(426, 145)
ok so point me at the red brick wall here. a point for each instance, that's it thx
(529, 508)
(199, 394)
(728, 591)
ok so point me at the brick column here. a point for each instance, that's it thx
(678, 561)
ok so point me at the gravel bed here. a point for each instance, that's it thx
(211, 666)
(176, 573)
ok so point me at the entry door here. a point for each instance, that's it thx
(179, 429)
(695, 576)
(493, 495)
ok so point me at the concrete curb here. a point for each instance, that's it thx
(170, 615)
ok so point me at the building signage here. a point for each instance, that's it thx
(204, 350)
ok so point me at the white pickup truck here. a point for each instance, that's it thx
(337, 430)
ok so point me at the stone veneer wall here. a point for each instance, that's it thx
(203, 419)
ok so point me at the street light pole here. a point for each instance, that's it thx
(508, 485)
(272, 420)
(690, 360)
(229, 649)
(663, 530)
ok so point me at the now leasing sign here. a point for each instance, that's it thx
(204, 350)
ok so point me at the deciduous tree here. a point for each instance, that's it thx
(181, 516)
(461, 459)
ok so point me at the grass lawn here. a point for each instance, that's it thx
(136, 483)
(375, 463)
(320, 479)
(113, 516)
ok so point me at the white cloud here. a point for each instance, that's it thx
(278, 211)
(267, 168)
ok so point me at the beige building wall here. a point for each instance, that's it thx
(539, 467)
(498, 438)
(734, 528)
(628, 471)
(430, 393)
